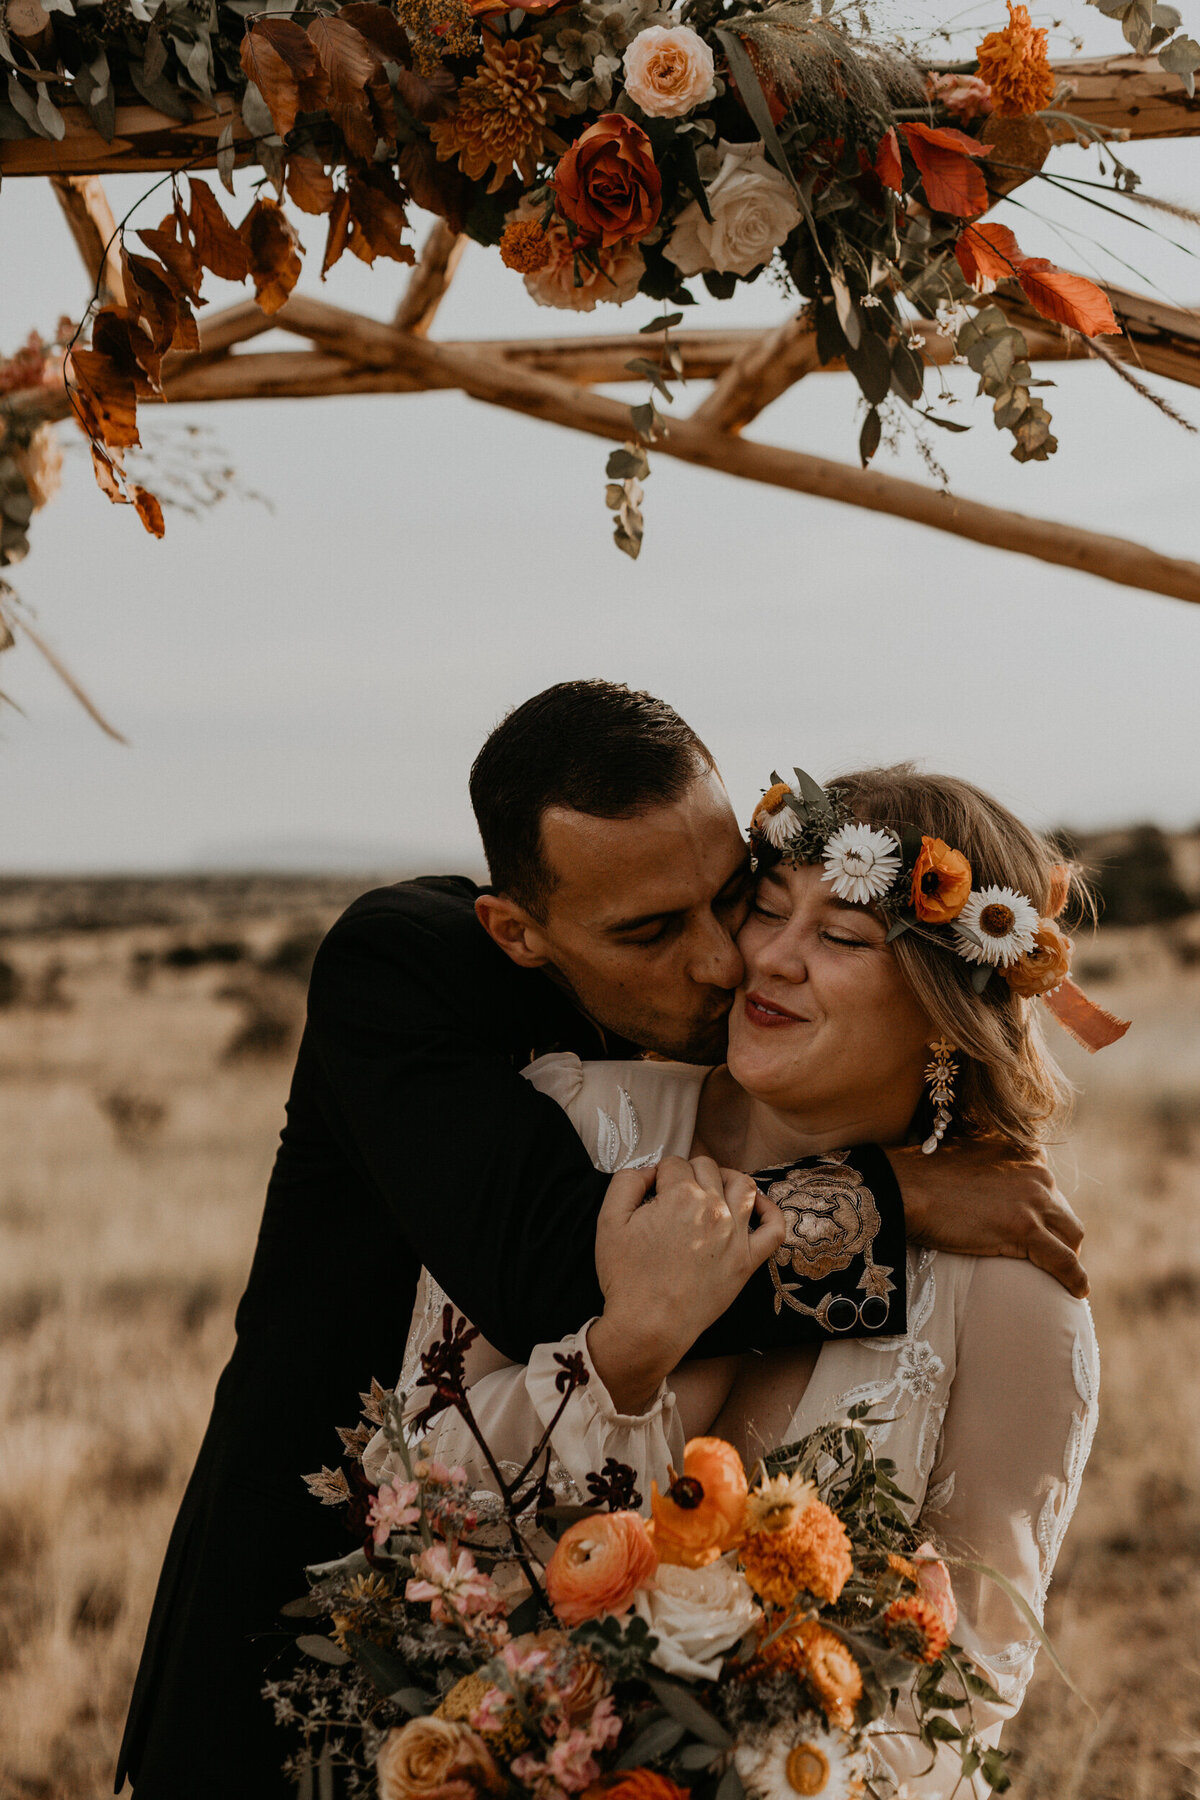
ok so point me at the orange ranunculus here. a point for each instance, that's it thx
(598, 1565)
(702, 1514)
(1042, 967)
(608, 184)
(636, 1784)
(941, 883)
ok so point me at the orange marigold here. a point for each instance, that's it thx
(524, 246)
(1015, 64)
(811, 1556)
(916, 1629)
(636, 1784)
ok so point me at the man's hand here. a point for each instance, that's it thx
(987, 1199)
(671, 1264)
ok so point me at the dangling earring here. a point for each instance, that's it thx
(939, 1074)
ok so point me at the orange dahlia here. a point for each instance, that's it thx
(811, 1556)
(1016, 67)
(916, 1629)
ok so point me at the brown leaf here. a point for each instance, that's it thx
(436, 187)
(888, 165)
(105, 468)
(151, 298)
(945, 157)
(279, 58)
(274, 249)
(218, 245)
(987, 254)
(1069, 299)
(148, 510)
(309, 185)
(339, 231)
(1019, 148)
(377, 209)
(426, 97)
(108, 392)
(350, 62)
(380, 28)
(117, 334)
(172, 244)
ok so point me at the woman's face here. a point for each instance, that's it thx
(824, 1024)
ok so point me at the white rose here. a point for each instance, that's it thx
(753, 209)
(668, 71)
(697, 1615)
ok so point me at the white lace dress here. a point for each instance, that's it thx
(988, 1403)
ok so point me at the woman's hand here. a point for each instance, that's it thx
(671, 1262)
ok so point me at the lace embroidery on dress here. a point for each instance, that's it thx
(427, 1314)
(617, 1139)
(1059, 1509)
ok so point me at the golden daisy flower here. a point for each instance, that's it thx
(916, 1629)
(812, 1555)
(1015, 64)
(502, 118)
(832, 1673)
(524, 246)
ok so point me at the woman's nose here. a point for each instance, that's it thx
(782, 955)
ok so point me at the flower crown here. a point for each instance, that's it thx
(920, 883)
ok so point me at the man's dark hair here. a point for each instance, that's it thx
(593, 746)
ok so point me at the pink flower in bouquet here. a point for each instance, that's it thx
(393, 1509)
(933, 1584)
(965, 97)
(440, 1475)
(453, 1585)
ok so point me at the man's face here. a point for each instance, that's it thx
(640, 925)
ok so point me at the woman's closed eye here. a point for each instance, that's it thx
(851, 943)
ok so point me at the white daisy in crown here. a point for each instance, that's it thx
(996, 926)
(774, 818)
(862, 863)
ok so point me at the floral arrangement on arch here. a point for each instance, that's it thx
(732, 1636)
(607, 149)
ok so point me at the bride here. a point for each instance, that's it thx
(901, 930)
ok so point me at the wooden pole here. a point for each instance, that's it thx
(1129, 93)
(92, 225)
(430, 279)
(1158, 337)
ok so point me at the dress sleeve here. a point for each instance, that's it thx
(515, 1403)
(1017, 1432)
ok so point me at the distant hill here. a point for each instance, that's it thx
(1143, 875)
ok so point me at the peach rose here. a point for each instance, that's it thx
(604, 276)
(598, 1565)
(668, 71)
(934, 1584)
(1044, 965)
(608, 184)
(702, 1514)
(434, 1759)
(941, 883)
(965, 97)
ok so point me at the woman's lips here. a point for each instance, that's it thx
(769, 1014)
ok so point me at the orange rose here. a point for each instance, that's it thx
(598, 1565)
(608, 184)
(1043, 967)
(636, 1784)
(941, 882)
(702, 1514)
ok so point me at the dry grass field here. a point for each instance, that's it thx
(146, 1033)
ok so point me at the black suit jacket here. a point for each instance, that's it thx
(410, 1139)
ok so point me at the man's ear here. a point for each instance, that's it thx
(516, 932)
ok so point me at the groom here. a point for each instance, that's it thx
(619, 878)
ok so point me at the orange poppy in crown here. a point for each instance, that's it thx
(941, 882)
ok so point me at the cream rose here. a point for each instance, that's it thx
(697, 1615)
(752, 207)
(668, 71)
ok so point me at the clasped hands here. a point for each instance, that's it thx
(675, 1244)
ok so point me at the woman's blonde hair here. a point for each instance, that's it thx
(1008, 1084)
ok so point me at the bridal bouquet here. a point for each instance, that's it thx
(734, 1635)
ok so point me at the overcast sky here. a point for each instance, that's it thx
(308, 684)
